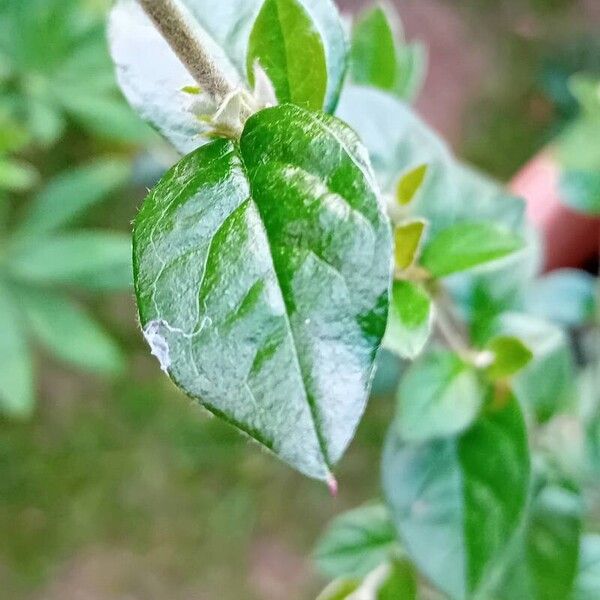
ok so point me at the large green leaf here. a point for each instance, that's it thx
(439, 395)
(69, 194)
(70, 333)
(16, 373)
(287, 45)
(152, 77)
(356, 542)
(410, 319)
(458, 502)
(73, 258)
(587, 583)
(467, 245)
(262, 273)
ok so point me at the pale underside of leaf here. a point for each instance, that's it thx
(265, 274)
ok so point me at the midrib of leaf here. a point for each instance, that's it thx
(309, 398)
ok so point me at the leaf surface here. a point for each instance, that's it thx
(262, 273)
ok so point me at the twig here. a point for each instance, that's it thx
(171, 19)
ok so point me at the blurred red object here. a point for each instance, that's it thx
(570, 238)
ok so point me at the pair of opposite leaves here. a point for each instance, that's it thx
(262, 265)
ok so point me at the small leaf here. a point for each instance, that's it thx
(412, 68)
(438, 396)
(16, 371)
(373, 53)
(262, 272)
(466, 245)
(288, 46)
(356, 542)
(68, 332)
(546, 384)
(407, 238)
(409, 320)
(408, 185)
(340, 589)
(587, 583)
(73, 258)
(458, 502)
(70, 193)
(510, 356)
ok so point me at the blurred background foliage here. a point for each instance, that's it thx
(112, 486)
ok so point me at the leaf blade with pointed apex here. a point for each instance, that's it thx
(438, 396)
(458, 502)
(510, 356)
(69, 194)
(407, 238)
(151, 76)
(70, 333)
(73, 258)
(287, 46)
(280, 272)
(466, 245)
(410, 319)
(16, 374)
(373, 58)
(587, 584)
(356, 542)
(408, 185)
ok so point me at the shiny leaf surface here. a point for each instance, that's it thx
(262, 274)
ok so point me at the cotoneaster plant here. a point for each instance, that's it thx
(315, 222)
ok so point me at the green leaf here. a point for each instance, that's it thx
(70, 193)
(553, 542)
(510, 356)
(546, 384)
(412, 68)
(439, 395)
(356, 542)
(73, 258)
(458, 502)
(407, 241)
(16, 372)
(409, 184)
(70, 333)
(466, 245)
(566, 297)
(580, 190)
(151, 76)
(16, 176)
(373, 52)
(410, 319)
(262, 273)
(587, 584)
(288, 46)
(545, 565)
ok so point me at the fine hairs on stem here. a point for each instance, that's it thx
(171, 19)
